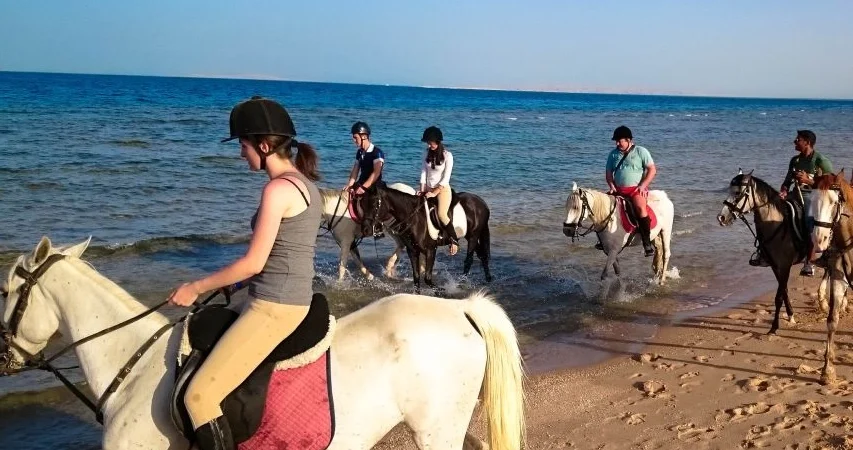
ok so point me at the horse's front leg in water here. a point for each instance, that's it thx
(616, 267)
(611, 261)
(429, 257)
(414, 258)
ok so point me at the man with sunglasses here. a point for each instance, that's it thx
(802, 169)
(369, 160)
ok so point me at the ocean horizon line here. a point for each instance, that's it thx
(273, 78)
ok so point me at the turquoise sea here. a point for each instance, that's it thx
(136, 163)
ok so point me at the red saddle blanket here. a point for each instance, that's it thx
(629, 226)
(298, 413)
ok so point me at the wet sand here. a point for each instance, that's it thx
(710, 381)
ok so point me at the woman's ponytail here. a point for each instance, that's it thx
(306, 160)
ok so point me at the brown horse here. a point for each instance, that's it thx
(831, 207)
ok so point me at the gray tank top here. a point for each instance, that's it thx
(289, 271)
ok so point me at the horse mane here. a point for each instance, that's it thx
(833, 181)
(333, 195)
(601, 205)
(772, 194)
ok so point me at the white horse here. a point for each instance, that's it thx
(336, 218)
(601, 209)
(405, 358)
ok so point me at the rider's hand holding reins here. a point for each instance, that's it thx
(185, 295)
(643, 190)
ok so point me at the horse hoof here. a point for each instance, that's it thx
(772, 332)
(791, 319)
(827, 376)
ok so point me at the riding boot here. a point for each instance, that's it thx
(644, 224)
(215, 435)
(450, 232)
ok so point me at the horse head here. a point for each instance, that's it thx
(830, 195)
(30, 316)
(577, 209)
(741, 199)
(375, 210)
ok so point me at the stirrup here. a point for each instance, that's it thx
(599, 246)
(807, 270)
(757, 260)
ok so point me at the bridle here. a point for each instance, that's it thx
(8, 366)
(575, 226)
(747, 196)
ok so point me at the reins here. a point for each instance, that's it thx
(38, 362)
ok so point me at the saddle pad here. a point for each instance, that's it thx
(299, 412)
(627, 225)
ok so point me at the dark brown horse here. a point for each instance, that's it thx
(775, 233)
(409, 222)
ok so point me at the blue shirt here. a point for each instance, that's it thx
(365, 159)
(630, 173)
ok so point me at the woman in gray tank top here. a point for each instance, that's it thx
(279, 264)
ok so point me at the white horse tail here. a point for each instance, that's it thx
(503, 382)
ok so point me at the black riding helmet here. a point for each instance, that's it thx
(622, 132)
(432, 134)
(360, 128)
(260, 116)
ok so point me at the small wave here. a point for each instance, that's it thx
(158, 244)
(131, 143)
(691, 214)
(38, 186)
(680, 232)
(218, 159)
(5, 131)
(512, 118)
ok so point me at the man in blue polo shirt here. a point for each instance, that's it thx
(369, 160)
(630, 171)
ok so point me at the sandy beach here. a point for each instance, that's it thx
(715, 381)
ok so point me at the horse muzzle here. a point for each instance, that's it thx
(570, 229)
(725, 220)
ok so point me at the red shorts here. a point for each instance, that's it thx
(627, 191)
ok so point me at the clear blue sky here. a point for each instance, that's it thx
(763, 48)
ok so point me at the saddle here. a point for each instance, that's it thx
(629, 216)
(248, 408)
(798, 220)
(432, 204)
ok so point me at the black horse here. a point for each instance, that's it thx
(778, 234)
(404, 213)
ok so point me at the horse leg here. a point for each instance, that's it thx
(484, 250)
(611, 260)
(469, 257)
(822, 293)
(616, 266)
(429, 256)
(657, 262)
(414, 258)
(362, 267)
(345, 244)
(391, 265)
(781, 294)
(827, 375)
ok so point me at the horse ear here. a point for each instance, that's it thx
(78, 249)
(739, 171)
(42, 250)
(574, 187)
(750, 172)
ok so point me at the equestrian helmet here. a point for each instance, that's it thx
(622, 132)
(432, 134)
(360, 128)
(260, 116)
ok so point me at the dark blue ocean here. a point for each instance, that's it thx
(136, 163)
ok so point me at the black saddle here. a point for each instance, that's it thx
(798, 220)
(433, 209)
(243, 407)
